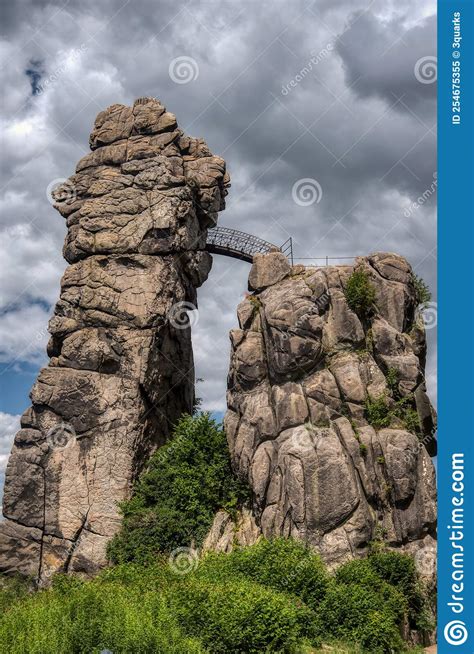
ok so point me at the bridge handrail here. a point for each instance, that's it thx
(216, 234)
(239, 245)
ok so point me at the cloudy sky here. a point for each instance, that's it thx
(338, 92)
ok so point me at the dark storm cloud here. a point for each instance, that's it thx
(35, 72)
(380, 60)
(284, 91)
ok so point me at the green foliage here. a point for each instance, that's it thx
(399, 570)
(377, 412)
(176, 498)
(405, 411)
(86, 618)
(274, 597)
(392, 378)
(360, 294)
(12, 590)
(283, 564)
(242, 616)
(380, 414)
(422, 291)
(350, 612)
(363, 449)
(370, 599)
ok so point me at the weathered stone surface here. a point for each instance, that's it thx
(268, 269)
(121, 368)
(298, 428)
(226, 533)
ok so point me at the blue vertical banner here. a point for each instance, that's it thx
(456, 326)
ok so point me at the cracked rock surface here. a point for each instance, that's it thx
(121, 367)
(304, 369)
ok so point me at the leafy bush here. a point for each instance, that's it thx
(377, 412)
(399, 570)
(175, 500)
(360, 294)
(380, 414)
(274, 597)
(346, 613)
(422, 291)
(242, 616)
(85, 618)
(282, 564)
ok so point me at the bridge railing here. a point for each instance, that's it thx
(243, 246)
(237, 244)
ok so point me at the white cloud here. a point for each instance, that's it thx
(23, 334)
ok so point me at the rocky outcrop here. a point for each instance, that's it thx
(328, 418)
(121, 368)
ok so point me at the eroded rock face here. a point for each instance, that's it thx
(304, 368)
(121, 367)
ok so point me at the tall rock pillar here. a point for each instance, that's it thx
(121, 367)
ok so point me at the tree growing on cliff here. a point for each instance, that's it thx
(360, 294)
(174, 501)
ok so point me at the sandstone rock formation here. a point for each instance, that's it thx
(328, 417)
(121, 369)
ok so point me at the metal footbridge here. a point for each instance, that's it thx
(239, 245)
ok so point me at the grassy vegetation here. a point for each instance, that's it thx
(275, 596)
(380, 413)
